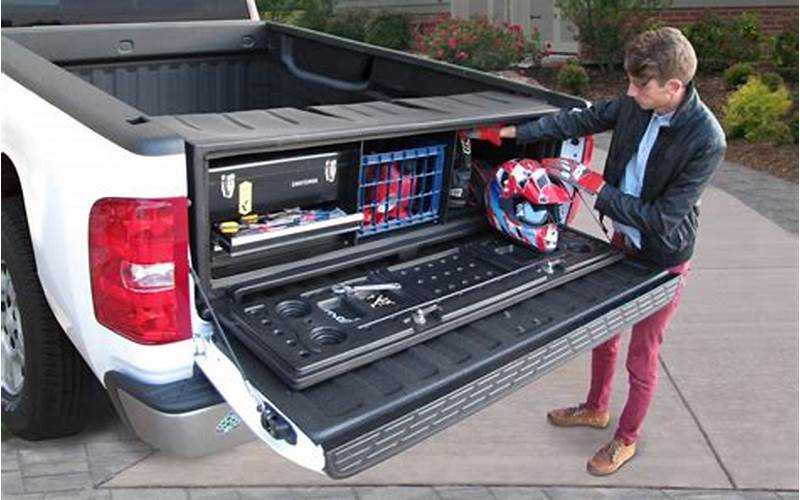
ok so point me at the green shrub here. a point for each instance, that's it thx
(314, 14)
(349, 23)
(773, 81)
(794, 124)
(720, 43)
(758, 114)
(276, 10)
(737, 74)
(792, 121)
(745, 40)
(783, 51)
(605, 26)
(706, 36)
(389, 29)
(573, 77)
(479, 44)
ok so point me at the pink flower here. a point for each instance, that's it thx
(452, 43)
(461, 56)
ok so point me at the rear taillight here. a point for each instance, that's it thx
(138, 257)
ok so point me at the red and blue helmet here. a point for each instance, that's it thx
(525, 203)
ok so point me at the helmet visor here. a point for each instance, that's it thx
(530, 214)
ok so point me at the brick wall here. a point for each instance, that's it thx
(773, 19)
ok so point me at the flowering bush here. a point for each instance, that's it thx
(478, 43)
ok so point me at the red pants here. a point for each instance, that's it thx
(642, 364)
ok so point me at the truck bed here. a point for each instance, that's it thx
(153, 88)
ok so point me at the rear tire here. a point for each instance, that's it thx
(52, 396)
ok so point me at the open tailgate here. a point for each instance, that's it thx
(357, 419)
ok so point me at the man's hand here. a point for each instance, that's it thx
(575, 173)
(494, 134)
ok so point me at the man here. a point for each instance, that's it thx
(665, 147)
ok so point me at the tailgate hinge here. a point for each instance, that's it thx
(275, 425)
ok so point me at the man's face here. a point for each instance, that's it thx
(652, 95)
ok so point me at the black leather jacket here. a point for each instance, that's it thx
(682, 161)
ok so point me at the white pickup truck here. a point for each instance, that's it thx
(245, 230)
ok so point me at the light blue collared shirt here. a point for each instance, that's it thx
(633, 177)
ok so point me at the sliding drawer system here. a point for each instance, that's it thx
(312, 332)
(357, 419)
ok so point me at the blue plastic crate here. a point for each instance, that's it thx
(401, 188)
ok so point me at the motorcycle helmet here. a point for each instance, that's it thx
(526, 204)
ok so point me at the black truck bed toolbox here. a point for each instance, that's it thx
(282, 126)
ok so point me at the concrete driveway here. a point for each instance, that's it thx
(724, 422)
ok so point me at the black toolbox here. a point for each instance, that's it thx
(267, 185)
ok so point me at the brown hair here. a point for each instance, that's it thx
(662, 54)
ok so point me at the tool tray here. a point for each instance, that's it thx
(291, 237)
(310, 333)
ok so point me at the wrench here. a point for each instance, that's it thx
(353, 289)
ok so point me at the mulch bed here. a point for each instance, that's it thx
(781, 161)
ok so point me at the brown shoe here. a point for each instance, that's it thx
(575, 416)
(610, 458)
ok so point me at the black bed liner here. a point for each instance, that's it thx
(344, 408)
(150, 87)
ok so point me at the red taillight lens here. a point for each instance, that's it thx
(138, 258)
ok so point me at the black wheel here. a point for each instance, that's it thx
(46, 385)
